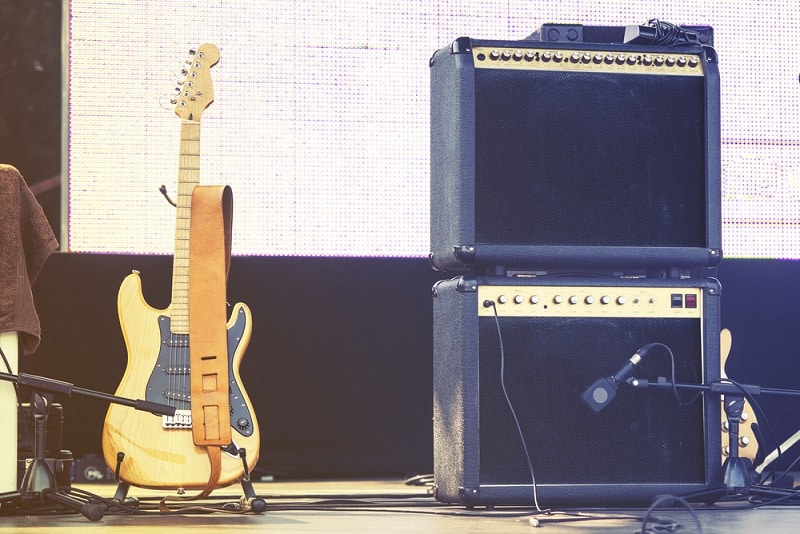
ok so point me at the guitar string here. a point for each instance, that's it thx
(189, 177)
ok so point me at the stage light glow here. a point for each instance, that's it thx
(320, 123)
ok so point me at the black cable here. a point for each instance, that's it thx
(419, 480)
(669, 499)
(681, 401)
(6, 362)
(511, 405)
(788, 495)
(668, 34)
(27, 437)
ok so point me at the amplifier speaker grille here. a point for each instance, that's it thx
(589, 162)
(644, 443)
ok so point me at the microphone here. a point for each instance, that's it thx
(602, 392)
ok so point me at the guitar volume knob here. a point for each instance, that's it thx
(243, 423)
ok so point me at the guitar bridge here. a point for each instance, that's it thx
(181, 419)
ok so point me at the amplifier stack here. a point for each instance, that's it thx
(575, 195)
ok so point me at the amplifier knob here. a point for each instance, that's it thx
(575, 57)
(558, 57)
(632, 60)
(574, 299)
(589, 299)
(605, 299)
(621, 300)
(647, 59)
(598, 58)
(693, 62)
(547, 56)
(659, 60)
(518, 299)
(670, 61)
(621, 58)
(530, 56)
(558, 299)
(682, 61)
(534, 299)
(494, 54)
(502, 299)
(609, 58)
(587, 57)
(506, 54)
(517, 55)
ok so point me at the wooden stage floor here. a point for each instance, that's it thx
(378, 506)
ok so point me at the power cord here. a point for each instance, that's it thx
(491, 304)
(668, 34)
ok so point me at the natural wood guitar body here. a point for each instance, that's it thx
(156, 457)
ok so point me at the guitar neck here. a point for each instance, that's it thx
(188, 178)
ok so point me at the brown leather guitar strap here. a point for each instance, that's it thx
(209, 261)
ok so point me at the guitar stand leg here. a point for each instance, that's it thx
(121, 495)
(249, 501)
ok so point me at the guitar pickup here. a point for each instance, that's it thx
(177, 370)
(181, 420)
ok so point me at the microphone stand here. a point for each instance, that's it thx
(39, 483)
(736, 469)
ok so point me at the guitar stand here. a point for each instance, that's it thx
(38, 484)
(738, 471)
(249, 502)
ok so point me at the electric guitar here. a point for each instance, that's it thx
(748, 444)
(159, 451)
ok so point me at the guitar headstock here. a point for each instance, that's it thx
(748, 442)
(197, 91)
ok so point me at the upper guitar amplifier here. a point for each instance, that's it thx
(574, 156)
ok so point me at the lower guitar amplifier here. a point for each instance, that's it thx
(513, 360)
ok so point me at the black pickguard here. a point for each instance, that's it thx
(170, 381)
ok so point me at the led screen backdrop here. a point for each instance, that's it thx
(320, 122)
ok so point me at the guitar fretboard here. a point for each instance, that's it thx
(188, 178)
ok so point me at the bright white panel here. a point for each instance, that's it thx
(320, 123)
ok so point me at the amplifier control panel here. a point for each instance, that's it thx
(628, 62)
(585, 301)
